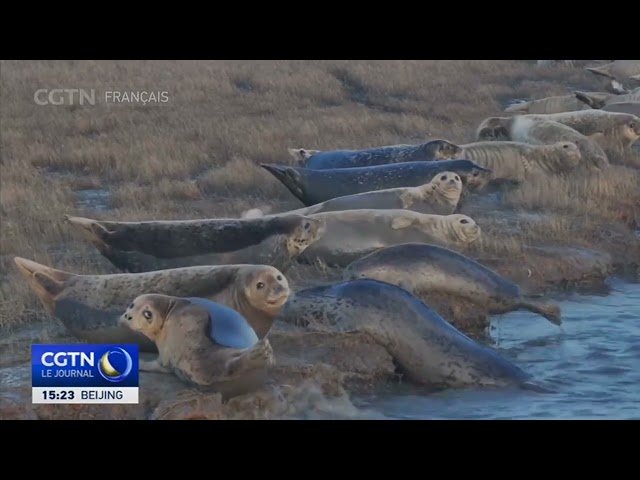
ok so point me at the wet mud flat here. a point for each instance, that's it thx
(317, 372)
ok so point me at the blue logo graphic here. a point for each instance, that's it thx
(84, 365)
(115, 365)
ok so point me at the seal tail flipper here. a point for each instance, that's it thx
(548, 310)
(602, 71)
(46, 282)
(92, 229)
(585, 98)
(518, 107)
(287, 176)
(252, 213)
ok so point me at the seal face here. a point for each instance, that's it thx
(427, 348)
(202, 342)
(316, 186)
(424, 270)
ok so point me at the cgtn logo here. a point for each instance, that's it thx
(84, 373)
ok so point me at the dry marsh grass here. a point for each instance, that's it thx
(198, 155)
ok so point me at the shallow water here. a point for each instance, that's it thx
(592, 363)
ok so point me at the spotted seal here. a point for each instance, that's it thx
(350, 234)
(513, 160)
(184, 238)
(440, 196)
(89, 305)
(317, 186)
(278, 250)
(202, 342)
(555, 104)
(425, 269)
(524, 129)
(367, 157)
(427, 349)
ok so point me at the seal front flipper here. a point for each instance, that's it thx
(46, 282)
(288, 176)
(548, 310)
(152, 366)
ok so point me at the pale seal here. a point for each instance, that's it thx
(427, 349)
(556, 104)
(278, 250)
(202, 342)
(440, 196)
(351, 234)
(524, 129)
(424, 152)
(182, 238)
(424, 269)
(598, 100)
(89, 305)
(317, 186)
(514, 160)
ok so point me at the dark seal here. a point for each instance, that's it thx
(424, 152)
(317, 186)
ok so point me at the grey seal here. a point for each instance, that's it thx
(89, 305)
(427, 349)
(423, 269)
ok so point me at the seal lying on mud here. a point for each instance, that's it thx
(89, 305)
(526, 130)
(557, 104)
(513, 160)
(278, 250)
(424, 269)
(424, 152)
(428, 349)
(350, 234)
(182, 238)
(317, 186)
(440, 197)
(618, 129)
(599, 100)
(201, 342)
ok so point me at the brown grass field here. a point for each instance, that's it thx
(197, 155)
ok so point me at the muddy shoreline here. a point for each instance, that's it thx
(316, 372)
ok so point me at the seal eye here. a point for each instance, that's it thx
(565, 146)
(279, 277)
(260, 285)
(457, 178)
(444, 177)
(147, 314)
(475, 174)
(464, 220)
(631, 125)
(307, 225)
